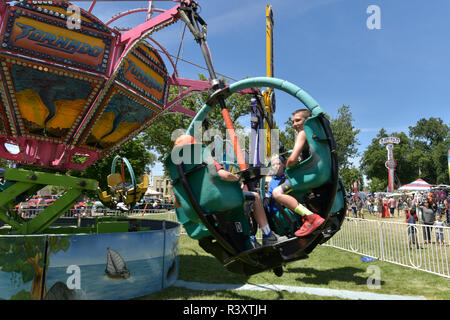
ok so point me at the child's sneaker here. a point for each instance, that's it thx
(272, 238)
(312, 222)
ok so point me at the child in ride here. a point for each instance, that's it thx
(269, 237)
(311, 220)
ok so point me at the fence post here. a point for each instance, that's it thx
(380, 234)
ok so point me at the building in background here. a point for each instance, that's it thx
(162, 184)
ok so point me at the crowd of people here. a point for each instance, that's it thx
(429, 209)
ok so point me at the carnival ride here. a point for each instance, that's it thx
(214, 211)
(124, 195)
(71, 96)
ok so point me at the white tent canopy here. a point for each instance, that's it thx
(151, 192)
(418, 185)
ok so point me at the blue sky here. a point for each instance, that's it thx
(390, 77)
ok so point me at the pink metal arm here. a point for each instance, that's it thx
(123, 14)
(135, 33)
(92, 6)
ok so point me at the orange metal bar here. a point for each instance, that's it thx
(234, 139)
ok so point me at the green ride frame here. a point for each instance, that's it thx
(20, 183)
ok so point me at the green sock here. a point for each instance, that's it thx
(302, 210)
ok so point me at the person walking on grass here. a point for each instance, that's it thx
(391, 205)
(428, 218)
(360, 208)
(380, 207)
(354, 207)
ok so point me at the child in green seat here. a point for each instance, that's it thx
(300, 152)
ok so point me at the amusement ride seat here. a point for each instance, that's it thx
(212, 210)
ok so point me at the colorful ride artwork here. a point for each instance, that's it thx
(74, 90)
(86, 92)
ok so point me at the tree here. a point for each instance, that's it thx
(440, 160)
(431, 139)
(376, 185)
(287, 136)
(432, 131)
(374, 159)
(350, 175)
(25, 256)
(425, 149)
(345, 135)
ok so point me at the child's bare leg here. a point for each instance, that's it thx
(287, 201)
(260, 215)
(290, 202)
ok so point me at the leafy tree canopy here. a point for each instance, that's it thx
(345, 135)
(425, 148)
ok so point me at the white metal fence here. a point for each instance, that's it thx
(31, 213)
(390, 241)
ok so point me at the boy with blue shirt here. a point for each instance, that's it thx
(277, 165)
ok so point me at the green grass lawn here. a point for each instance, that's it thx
(326, 267)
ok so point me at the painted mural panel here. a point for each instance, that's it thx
(3, 119)
(122, 115)
(108, 266)
(144, 71)
(50, 101)
(171, 262)
(22, 267)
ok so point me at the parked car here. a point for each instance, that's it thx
(98, 209)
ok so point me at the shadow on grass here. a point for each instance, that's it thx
(324, 277)
(207, 269)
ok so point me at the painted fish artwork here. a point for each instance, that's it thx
(121, 117)
(49, 104)
(115, 265)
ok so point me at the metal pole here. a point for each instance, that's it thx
(149, 10)
(190, 17)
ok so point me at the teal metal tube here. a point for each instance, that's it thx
(199, 118)
(258, 82)
(130, 169)
(280, 84)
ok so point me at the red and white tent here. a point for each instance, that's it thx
(418, 185)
